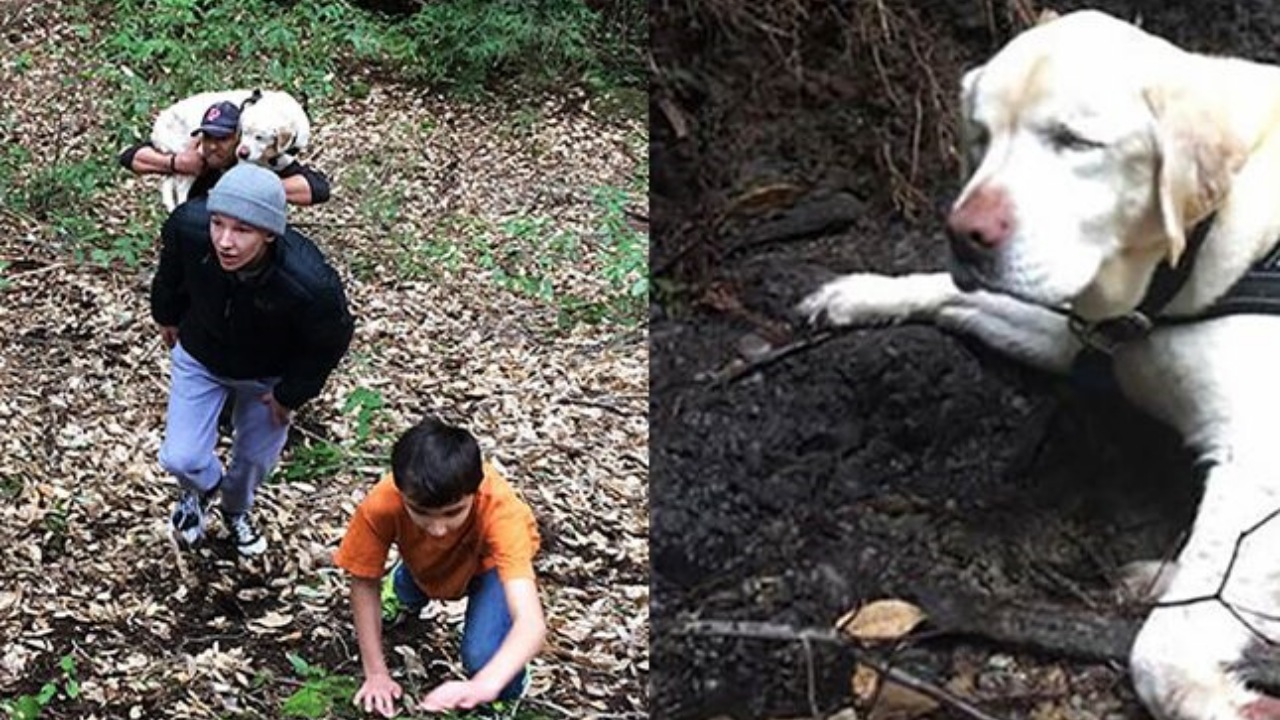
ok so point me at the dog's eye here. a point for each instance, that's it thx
(976, 137)
(1064, 138)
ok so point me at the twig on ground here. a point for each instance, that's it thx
(36, 271)
(773, 356)
(811, 681)
(773, 631)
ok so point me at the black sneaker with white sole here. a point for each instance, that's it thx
(244, 535)
(189, 517)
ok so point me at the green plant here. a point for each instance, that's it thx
(526, 255)
(380, 194)
(128, 247)
(626, 255)
(29, 707)
(313, 461)
(58, 189)
(321, 693)
(474, 45)
(365, 403)
(390, 602)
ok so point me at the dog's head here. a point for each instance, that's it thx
(1091, 156)
(268, 135)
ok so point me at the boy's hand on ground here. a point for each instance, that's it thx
(378, 693)
(279, 413)
(169, 334)
(457, 695)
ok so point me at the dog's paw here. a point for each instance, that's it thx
(868, 299)
(1181, 660)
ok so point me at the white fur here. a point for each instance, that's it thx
(269, 127)
(1088, 227)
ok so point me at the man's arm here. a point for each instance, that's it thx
(326, 334)
(147, 160)
(304, 185)
(378, 692)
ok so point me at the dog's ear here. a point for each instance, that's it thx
(284, 140)
(1196, 158)
(969, 145)
(1047, 15)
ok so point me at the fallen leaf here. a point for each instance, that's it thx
(897, 702)
(881, 620)
(271, 621)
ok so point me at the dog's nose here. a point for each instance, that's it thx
(243, 152)
(980, 224)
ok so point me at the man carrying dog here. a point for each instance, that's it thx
(213, 151)
(251, 311)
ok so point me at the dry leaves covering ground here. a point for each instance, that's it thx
(85, 566)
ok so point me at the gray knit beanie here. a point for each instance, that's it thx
(250, 194)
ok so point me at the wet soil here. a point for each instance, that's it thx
(899, 462)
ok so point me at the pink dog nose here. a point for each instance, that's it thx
(981, 223)
(243, 152)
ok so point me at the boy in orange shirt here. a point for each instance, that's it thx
(461, 531)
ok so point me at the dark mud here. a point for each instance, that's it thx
(897, 462)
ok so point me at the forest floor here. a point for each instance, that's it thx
(476, 245)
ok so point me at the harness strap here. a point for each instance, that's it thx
(1107, 335)
(1168, 280)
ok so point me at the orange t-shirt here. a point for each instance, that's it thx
(500, 532)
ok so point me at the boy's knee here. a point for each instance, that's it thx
(184, 462)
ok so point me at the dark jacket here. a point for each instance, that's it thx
(289, 320)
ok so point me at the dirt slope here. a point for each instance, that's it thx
(900, 462)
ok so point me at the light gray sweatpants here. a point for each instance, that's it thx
(189, 453)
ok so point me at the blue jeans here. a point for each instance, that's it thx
(487, 622)
(196, 396)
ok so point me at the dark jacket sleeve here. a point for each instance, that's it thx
(169, 297)
(325, 331)
(126, 157)
(316, 179)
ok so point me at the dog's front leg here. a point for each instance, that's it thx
(1029, 333)
(1222, 598)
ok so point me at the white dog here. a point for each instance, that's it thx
(1120, 187)
(273, 129)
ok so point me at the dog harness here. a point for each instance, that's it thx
(1256, 292)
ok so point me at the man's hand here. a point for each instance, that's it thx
(279, 413)
(457, 695)
(190, 161)
(378, 693)
(169, 334)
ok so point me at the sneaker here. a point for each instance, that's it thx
(188, 519)
(247, 539)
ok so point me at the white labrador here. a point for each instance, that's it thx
(273, 128)
(1096, 149)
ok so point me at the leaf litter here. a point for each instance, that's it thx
(422, 189)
